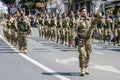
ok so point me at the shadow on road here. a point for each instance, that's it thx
(118, 50)
(4, 48)
(63, 73)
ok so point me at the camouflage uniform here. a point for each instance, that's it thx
(53, 27)
(40, 20)
(71, 31)
(47, 26)
(15, 30)
(12, 30)
(24, 29)
(5, 28)
(84, 33)
(100, 27)
(84, 46)
(107, 30)
(65, 26)
(117, 30)
(58, 27)
(41, 23)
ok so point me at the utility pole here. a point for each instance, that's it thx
(72, 5)
(69, 6)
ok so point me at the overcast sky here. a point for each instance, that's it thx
(1, 5)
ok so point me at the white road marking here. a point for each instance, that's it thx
(105, 68)
(37, 63)
(67, 61)
(92, 65)
(98, 52)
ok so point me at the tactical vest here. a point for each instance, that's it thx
(83, 27)
(107, 22)
(64, 22)
(46, 21)
(52, 21)
(22, 26)
(100, 23)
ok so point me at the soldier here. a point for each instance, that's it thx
(59, 26)
(12, 29)
(24, 29)
(5, 27)
(116, 29)
(71, 36)
(65, 26)
(40, 25)
(100, 26)
(93, 24)
(107, 29)
(15, 29)
(53, 26)
(84, 33)
(47, 26)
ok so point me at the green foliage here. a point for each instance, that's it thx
(111, 10)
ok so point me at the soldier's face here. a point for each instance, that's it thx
(118, 14)
(83, 12)
(99, 14)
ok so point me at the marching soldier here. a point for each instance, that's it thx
(93, 24)
(65, 26)
(116, 29)
(53, 26)
(40, 21)
(24, 29)
(43, 24)
(100, 26)
(47, 26)
(71, 36)
(107, 29)
(59, 26)
(5, 27)
(12, 29)
(84, 47)
(15, 29)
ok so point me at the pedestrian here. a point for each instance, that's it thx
(84, 32)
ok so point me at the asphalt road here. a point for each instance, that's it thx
(47, 60)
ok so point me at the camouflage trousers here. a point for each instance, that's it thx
(58, 34)
(14, 39)
(71, 37)
(101, 33)
(5, 31)
(117, 34)
(40, 30)
(22, 41)
(107, 34)
(62, 35)
(53, 33)
(84, 49)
